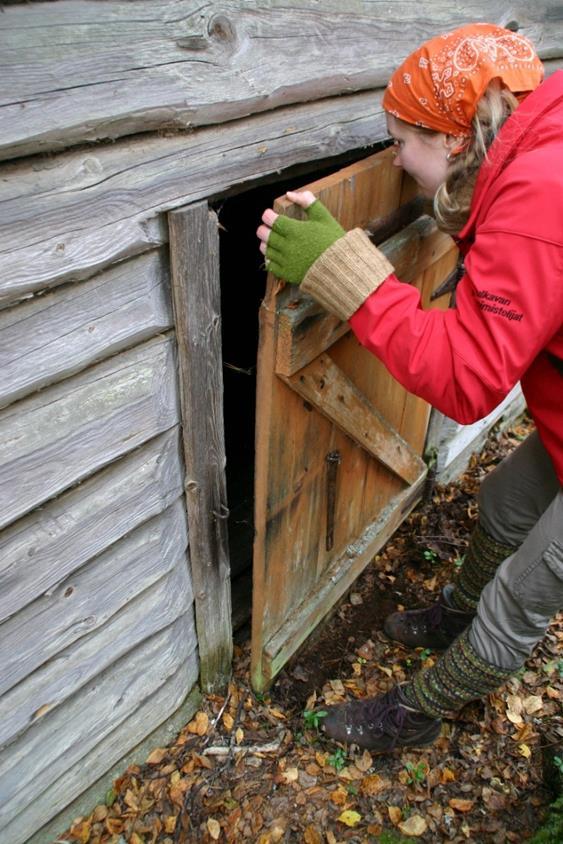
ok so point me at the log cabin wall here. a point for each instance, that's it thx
(111, 115)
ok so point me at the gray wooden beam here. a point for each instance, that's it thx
(194, 253)
(75, 72)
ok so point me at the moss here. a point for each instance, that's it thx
(551, 831)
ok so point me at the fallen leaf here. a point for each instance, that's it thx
(514, 709)
(311, 835)
(523, 733)
(356, 599)
(157, 755)
(339, 796)
(447, 775)
(415, 825)
(199, 724)
(170, 823)
(337, 687)
(239, 735)
(524, 751)
(532, 703)
(395, 814)
(291, 775)
(228, 721)
(373, 784)
(461, 805)
(277, 713)
(350, 818)
(364, 762)
(214, 828)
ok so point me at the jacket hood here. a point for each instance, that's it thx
(536, 123)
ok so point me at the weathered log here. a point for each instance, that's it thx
(68, 671)
(87, 599)
(65, 433)
(55, 540)
(59, 334)
(156, 64)
(69, 217)
(62, 754)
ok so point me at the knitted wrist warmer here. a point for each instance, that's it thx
(346, 274)
(459, 676)
(482, 559)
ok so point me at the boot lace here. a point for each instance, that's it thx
(387, 714)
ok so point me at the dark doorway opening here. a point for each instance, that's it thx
(243, 282)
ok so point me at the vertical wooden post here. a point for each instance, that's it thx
(194, 251)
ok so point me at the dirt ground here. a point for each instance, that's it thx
(256, 768)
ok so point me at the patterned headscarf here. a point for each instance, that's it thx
(439, 85)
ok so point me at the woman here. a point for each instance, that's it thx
(480, 133)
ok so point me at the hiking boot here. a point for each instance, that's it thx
(434, 627)
(381, 723)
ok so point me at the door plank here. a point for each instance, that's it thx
(329, 390)
(307, 330)
(293, 486)
(345, 569)
(194, 253)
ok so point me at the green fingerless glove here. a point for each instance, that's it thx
(295, 245)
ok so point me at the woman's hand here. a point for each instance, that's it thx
(291, 246)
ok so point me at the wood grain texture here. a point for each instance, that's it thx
(56, 335)
(194, 257)
(292, 565)
(43, 548)
(68, 749)
(68, 217)
(157, 64)
(87, 599)
(70, 430)
(335, 395)
(68, 671)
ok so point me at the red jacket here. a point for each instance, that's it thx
(507, 324)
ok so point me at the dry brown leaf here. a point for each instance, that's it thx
(330, 837)
(461, 805)
(99, 814)
(130, 800)
(277, 713)
(447, 775)
(524, 733)
(157, 755)
(339, 796)
(239, 735)
(514, 709)
(199, 724)
(364, 762)
(135, 839)
(552, 693)
(214, 828)
(415, 825)
(228, 721)
(532, 703)
(311, 835)
(114, 826)
(337, 687)
(291, 775)
(395, 814)
(373, 784)
(170, 823)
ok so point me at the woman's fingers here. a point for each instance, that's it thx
(263, 248)
(302, 198)
(263, 232)
(269, 217)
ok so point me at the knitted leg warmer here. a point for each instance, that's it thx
(482, 559)
(459, 676)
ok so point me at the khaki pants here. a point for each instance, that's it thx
(521, 501)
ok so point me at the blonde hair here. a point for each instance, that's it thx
(452, 200)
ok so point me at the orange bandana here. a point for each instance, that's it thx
(439, 85)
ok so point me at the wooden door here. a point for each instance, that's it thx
(338, 441)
